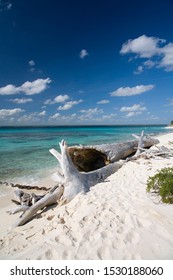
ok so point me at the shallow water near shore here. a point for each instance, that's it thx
(24, 151)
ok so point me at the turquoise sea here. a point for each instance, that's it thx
(24, 151)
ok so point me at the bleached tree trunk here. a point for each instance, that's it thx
(74, 181)
(71, 181)
(117, 151)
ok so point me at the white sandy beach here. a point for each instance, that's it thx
(117, 219)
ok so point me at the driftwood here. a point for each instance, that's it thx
(26, 198)
(157, 152)
(71, 181)
(110, 153)
(140, 144)
(74, 181)
(29, 212)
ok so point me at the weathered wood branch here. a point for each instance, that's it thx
(116, 151)
(49, 199)
(20, 208)
(140, 144)
(160, 152)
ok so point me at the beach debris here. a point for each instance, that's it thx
(70, 184)
(154, 153)
(79, 182)
(140, 143)
(27, 199)
(49, 199)
(113, 152)
(70, 181)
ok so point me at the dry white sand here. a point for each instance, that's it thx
(117, 219)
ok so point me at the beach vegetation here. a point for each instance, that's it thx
(162, 184)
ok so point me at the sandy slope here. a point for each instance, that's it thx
(117, 219)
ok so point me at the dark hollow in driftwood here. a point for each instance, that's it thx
(88, 159)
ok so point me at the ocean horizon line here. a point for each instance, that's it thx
(85, 125)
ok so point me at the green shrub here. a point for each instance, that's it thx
(162, 184)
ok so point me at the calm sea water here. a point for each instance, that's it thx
(24, 151)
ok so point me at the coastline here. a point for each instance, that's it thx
(29, 146)
(117, 219)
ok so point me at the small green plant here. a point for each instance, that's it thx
(162, 184)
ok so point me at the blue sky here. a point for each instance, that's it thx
(82, 62)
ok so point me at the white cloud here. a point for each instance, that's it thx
(143, 46)
(90, 114)
(101, 119)
(129, 91)
(108, 117)
(21, 100)
(5, 5)
(170, 100)
(69, 105)
(134, 108)
(139, 70)
(65, 107)
(167, 60)
(103, 102)
(31, 63)
(9, 112)
(83, 53)
(29, 88)
(48, 102)
(9, 6)
(43, 113)
(61, 98)
(151, 47)
(132, 114)
(31, 118)
(149, 64)
(92, 111)
(35, 87)
(95, 115)
(58, 99)
(55, 116)
(8, 90)
(60, 118)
